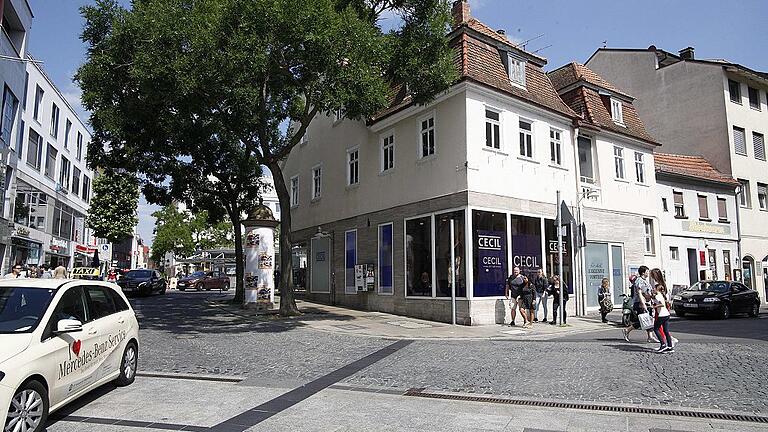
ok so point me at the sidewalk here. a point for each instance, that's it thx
(383, 325)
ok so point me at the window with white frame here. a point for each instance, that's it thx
(294, 191)
(674, 253)
(745, 199)
(353, 166)
(758, 142)
(734, 88)
(427, 133)
(639, 168)
(492, 129)
(516, 69)
(526, 139)
(79, 155)
(650, 247)
(388, 152)
(350, 260)
(317, 182)
(555, 147)
(679, 204)
(54, 120)
(618, 162)
(617, 111)
(386, 259)
(762, 199)
(739, 141)
(722, 210)
(64, 173)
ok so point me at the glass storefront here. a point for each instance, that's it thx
(526, 244)
(25, 252)
(443, 254)
(489, 247)
(418, 254)
(604, 260)
(617, 264)
(553, 255)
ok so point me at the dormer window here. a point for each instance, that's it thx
(516, 70)
(617, 114)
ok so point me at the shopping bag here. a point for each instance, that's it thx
(646, 322)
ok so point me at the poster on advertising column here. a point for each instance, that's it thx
(491, 263)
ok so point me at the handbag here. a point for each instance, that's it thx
(646, 322)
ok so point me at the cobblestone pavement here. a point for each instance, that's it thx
(181, 333)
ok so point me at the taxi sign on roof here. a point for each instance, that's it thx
(85, 272)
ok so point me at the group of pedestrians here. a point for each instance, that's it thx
(527, 293)
(650, 301)
(43, 272)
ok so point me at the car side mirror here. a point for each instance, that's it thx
(68, 326)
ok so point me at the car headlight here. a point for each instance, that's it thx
(711, 300)
(677, 297)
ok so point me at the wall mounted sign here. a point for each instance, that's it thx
(703, 227)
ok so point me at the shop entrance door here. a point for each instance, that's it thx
(693, 266)
(321, 265)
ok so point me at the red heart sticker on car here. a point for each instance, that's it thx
(76, 347)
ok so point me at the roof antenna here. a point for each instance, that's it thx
(525, 42)
(605, 44)
(542, 49)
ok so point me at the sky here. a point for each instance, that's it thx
(562, 31)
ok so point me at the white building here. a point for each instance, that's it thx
(698, 220)
(16, 19)
(51, 182)
(489, 154)
(712, 108)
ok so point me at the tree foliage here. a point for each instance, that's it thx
(182, 232)
(196, 95)
(112, 214)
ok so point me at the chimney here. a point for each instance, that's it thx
(686, 53)
(460, 12)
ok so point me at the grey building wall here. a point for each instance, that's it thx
(682, 105)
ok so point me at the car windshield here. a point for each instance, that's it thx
(21, 309)
(197, 274)
(719, 287)
(138, 274)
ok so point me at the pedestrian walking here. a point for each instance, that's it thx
(661, 321)
(641, 296)
(45, 272)
(15, 272)
(604, 299)
(554, 290)
(60, 272)
(526, 302)
(512, 292)
(540, 284)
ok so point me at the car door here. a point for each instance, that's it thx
(739, 298)
(103, 309)
(208, 281)
(68, 357)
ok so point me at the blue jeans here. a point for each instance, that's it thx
(541, 298)
(661, 328)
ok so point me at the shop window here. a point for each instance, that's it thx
(418, 256)
(386, 258)
(526, 244)
(444, 269)
(350, 259)
(552, 255)
(489, 247)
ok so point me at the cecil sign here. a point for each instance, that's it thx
(491, 263)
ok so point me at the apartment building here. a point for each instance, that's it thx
(16, 18)
(713, 108)
(51, 182)
(488, 157)
(698, 220)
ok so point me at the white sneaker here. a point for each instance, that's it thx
(674, 341)
(652, 339)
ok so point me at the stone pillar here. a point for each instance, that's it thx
(260, 267)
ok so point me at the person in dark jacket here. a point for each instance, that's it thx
(554, 289)
(540, 284)
(604, 298)
(526, 302)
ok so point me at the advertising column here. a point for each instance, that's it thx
(259, 266)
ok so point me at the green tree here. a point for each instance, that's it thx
(192, 89)
(182, 233)
(112, 213)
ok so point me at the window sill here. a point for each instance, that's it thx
(336, 122)
(560, 167)
(426, 159)
(723, 221)
(495, 151)
(619, 124)
(736, 102)
(386, 172)
(527, 159)
(621, 180)
(681, 217)
(741, 154)
(701, 219)
(753, 108)
(315, 200)
(293, 206)
(642, 184)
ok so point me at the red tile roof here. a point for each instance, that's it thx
(593, 107)
(691, 166)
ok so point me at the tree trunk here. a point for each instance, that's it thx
(239, 257)
(287, 297)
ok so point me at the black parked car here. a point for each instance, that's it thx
(142, 282)
(716, 298)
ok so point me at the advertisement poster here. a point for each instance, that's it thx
(526, 252)
(491, 263)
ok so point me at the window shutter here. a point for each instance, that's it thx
(759, 142)
(739, 141)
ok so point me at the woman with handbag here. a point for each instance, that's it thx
(661, 306)
(604, 299)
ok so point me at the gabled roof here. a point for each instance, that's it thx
(580, 88)
(693, 167)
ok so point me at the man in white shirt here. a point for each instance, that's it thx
(15, 273)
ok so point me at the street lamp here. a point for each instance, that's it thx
(260, 257)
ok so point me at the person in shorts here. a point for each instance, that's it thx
(525, 302)
(512, 292)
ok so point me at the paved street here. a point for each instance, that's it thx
(301, 378)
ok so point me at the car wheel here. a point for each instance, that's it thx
(680, 313)
(755, 311)
(199, 286)
(29, 408)
(226, 286)
(128, 365)
(725, 312)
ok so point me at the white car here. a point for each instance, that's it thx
(60, 339)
